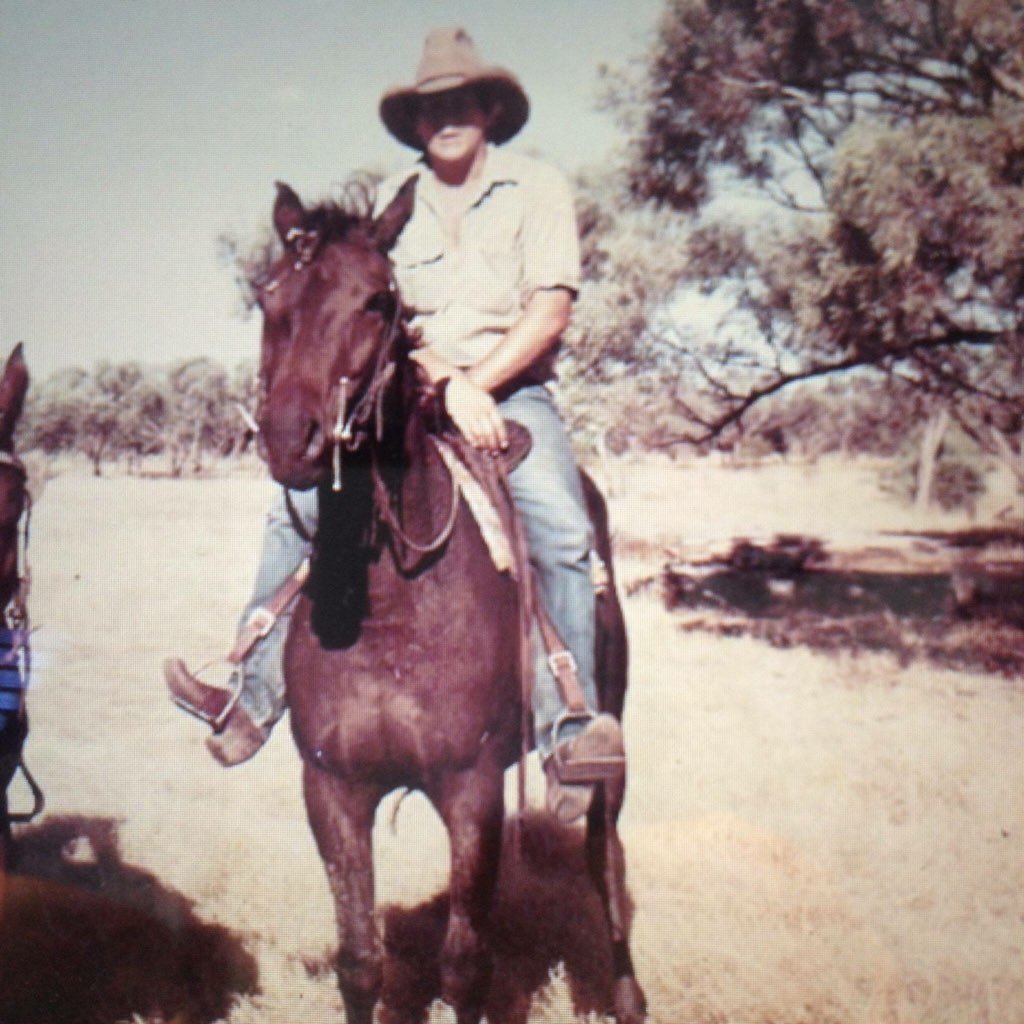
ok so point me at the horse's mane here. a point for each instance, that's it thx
(352, 205)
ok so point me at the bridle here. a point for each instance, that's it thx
(352, 425)
(357, 421)
(350, 421)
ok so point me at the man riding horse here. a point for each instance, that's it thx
(488, 266)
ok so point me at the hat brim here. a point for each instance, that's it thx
(398, 106)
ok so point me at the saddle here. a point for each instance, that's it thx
(481, 477)
(482, 480)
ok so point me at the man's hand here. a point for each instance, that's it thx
(475, 413)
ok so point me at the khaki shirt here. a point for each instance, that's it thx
(517, 235)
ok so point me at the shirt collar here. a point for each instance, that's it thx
(498, 170)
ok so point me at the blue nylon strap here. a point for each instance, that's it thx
(11, 683)
(10, 678)
(10, 701)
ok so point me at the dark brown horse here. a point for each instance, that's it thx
(402, 661)
(13, 500)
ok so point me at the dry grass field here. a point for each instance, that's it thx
(811, 838)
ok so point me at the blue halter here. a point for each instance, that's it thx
(12, 680)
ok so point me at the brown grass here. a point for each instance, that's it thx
(811, 837)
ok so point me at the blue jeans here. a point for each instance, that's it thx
(547, 491)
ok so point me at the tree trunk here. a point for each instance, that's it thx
(196, 457)
(931, 442)
(1014, 461)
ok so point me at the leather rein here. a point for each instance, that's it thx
(363, 420)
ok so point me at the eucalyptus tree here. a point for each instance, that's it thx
(876, 150)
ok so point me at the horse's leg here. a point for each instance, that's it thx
(341, 815)
(471, 803)
(607, 864)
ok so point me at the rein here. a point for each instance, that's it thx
(347, 431)
(387, 513)
(351, 429)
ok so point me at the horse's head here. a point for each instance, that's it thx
(13, 385)
(331, 317)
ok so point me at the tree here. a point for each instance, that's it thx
(884, 142)
(81, 411)
(133, 392)
(197, 415)
(129, 410)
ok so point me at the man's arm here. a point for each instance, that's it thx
(469, 393)
(543, 321)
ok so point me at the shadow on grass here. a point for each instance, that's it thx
(88, 939)
(956, 612)
(546, 918)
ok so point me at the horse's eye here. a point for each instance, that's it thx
(380, 302)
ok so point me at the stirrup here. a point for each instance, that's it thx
(599, 768)
(216, 720)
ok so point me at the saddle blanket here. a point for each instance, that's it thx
(484, 512)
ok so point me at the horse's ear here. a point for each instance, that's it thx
(289, 213)
(388, 226)
(13, 385)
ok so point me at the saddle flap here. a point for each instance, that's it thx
(519, 444)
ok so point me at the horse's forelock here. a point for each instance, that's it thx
(333, 222)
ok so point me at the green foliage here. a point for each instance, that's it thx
(879, 151)
(184, 412)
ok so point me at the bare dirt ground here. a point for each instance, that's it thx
(810, 838)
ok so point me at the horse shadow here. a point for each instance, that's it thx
(546, 920)
(89, 939)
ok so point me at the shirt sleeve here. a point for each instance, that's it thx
(550, 237)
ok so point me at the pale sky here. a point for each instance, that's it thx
(135, 131)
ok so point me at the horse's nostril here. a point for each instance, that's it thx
(314, 441)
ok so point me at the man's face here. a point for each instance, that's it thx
(451, 125)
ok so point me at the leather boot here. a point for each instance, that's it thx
(239, 740)
(236, 737)
(599, 744)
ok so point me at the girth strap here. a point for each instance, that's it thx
(488, 478)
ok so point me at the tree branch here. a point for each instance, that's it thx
(740, 405)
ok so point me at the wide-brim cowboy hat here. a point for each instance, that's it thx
(450, 61)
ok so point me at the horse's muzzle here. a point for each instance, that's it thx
(294, 444)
